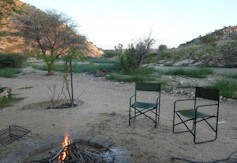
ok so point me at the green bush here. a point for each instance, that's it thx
(11, 60)
(9, 72)
(90, 68)
(138, 75)
(109, 53)
(228, 88)
(4, 102)
(234, 76)
(196, 73)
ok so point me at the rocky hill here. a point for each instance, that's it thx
(218, 49)
(9, 43)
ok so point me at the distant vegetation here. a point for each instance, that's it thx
(216, 49)
(195, 73)
(9, 72)
(9, 64)
(11, 60)
(228, 88)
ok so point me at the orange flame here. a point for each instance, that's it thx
(65, 152)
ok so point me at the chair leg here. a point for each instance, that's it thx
(129, 116)
(173, 120)
(158, 115)
(184, 123)
(215, 130)
(135, 114)
(156, 118)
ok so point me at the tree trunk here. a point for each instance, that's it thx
(50, 68)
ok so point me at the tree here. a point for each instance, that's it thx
(51, 32)
(162, 47)
(134, 56)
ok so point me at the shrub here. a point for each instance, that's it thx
(228, 88)
(11, 60)
(138, 75)
(231, 75)
(196, 73)
(162, 47)
(109, 53)
(8, 72)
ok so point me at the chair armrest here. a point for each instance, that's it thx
(188, 99)
(130, 101)
(199, 106)
(182, 100)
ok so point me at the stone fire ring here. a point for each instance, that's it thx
(22, 154)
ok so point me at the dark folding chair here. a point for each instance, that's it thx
(206, 107)
(145, 106)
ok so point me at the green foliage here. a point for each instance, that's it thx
(139, 75)
(102, 60)
(40, 67)
(5, 101)
(109, 53)
(162, 47)
(234, 76)
(53, 33)
(11, 60)
(144, 71)
(90, 68)
(196, 73)
(228, 88)
(127, 60)
(9, 72)
(134, 56)
(207, 39)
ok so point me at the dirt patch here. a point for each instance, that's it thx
(104, 111)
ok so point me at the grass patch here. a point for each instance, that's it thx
(102, 60)
(90, 68)
(195, 73)
(4, 102)
(233, 76)
(139, 75)
(228, 88)
(7, 101)
(39, 67)
(9, 72)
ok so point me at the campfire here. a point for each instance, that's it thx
(65, 152)
(78, 149)
(78, 152)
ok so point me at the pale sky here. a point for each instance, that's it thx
(107, 23)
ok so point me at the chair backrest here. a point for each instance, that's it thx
(207, 93)
(155, 87)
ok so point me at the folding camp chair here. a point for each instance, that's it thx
(143, 105)
(206, 106)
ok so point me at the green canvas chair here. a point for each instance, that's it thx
(138, 105)
(200, 112)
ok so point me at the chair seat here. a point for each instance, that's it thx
(144, 105)
(190, 113)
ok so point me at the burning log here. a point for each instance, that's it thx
(77, 154)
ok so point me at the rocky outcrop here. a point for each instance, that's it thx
(10, 43)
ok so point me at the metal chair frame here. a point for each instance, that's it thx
(141, 108)
(195, 115)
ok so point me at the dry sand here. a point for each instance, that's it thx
(104, 111)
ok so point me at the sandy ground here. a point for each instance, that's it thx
(105, 111)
